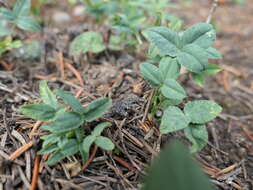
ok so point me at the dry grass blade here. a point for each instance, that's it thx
(20, 151)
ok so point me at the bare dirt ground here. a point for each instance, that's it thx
(227, 159)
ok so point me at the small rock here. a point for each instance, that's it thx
(60, 17)
(78, 10)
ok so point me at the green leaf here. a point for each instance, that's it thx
(70, 147)
(97, 108)
(79, 133)
(104, 143)
(169, 102)
(64, 122)
(193, 58)
(211, 69)
(47, 95)
(49, 140)
(27, 23)
(7, 14)
(198, 135)
(213, 53)
(175, 169)
(164, 39)
(87, 142)
(173, 90)
(70, 100)
(199, 79)
(21, 8)
(48, 149)
(87, 42)
(169, 68)
(201, 34)
(4, 30)
(41, 112)
(151, 74)
(55, 157)
(100, 127)
(173, 119)
(202, 111)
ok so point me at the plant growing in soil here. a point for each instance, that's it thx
(190, 49)
(87, 42)
(10, 19)
(67, 136)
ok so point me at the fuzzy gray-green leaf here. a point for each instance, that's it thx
(201, 34)
(97, 108)
(70, 100)
(47, 95)
(166, 40)
(70, 147)
(27, 23)
(104, 143)
(87, 42)
(87, 142)
(100, 127)
(151, 74)
(202, 111)
(21, 8)
(198, 135)
(64, 122)
(173, 90)
(173, 119)
(169, 68)
(41, 112)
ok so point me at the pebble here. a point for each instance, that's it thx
(78, 10)
(60, 17)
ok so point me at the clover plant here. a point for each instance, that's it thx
(190, 49)
(126, 18)
(67, 136)
(17, 17)
(87, 42)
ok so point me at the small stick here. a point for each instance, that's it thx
(35, 127)
(35, 173)
(210, 15)
(20, 151)
(76, 73)
(61, 63)
(124, 163)
(148, 105)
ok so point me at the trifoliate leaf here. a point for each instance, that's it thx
(173, 119)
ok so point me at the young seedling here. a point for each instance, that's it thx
(67, 135)
(17, 17)
(190, 49)
(87, 42)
